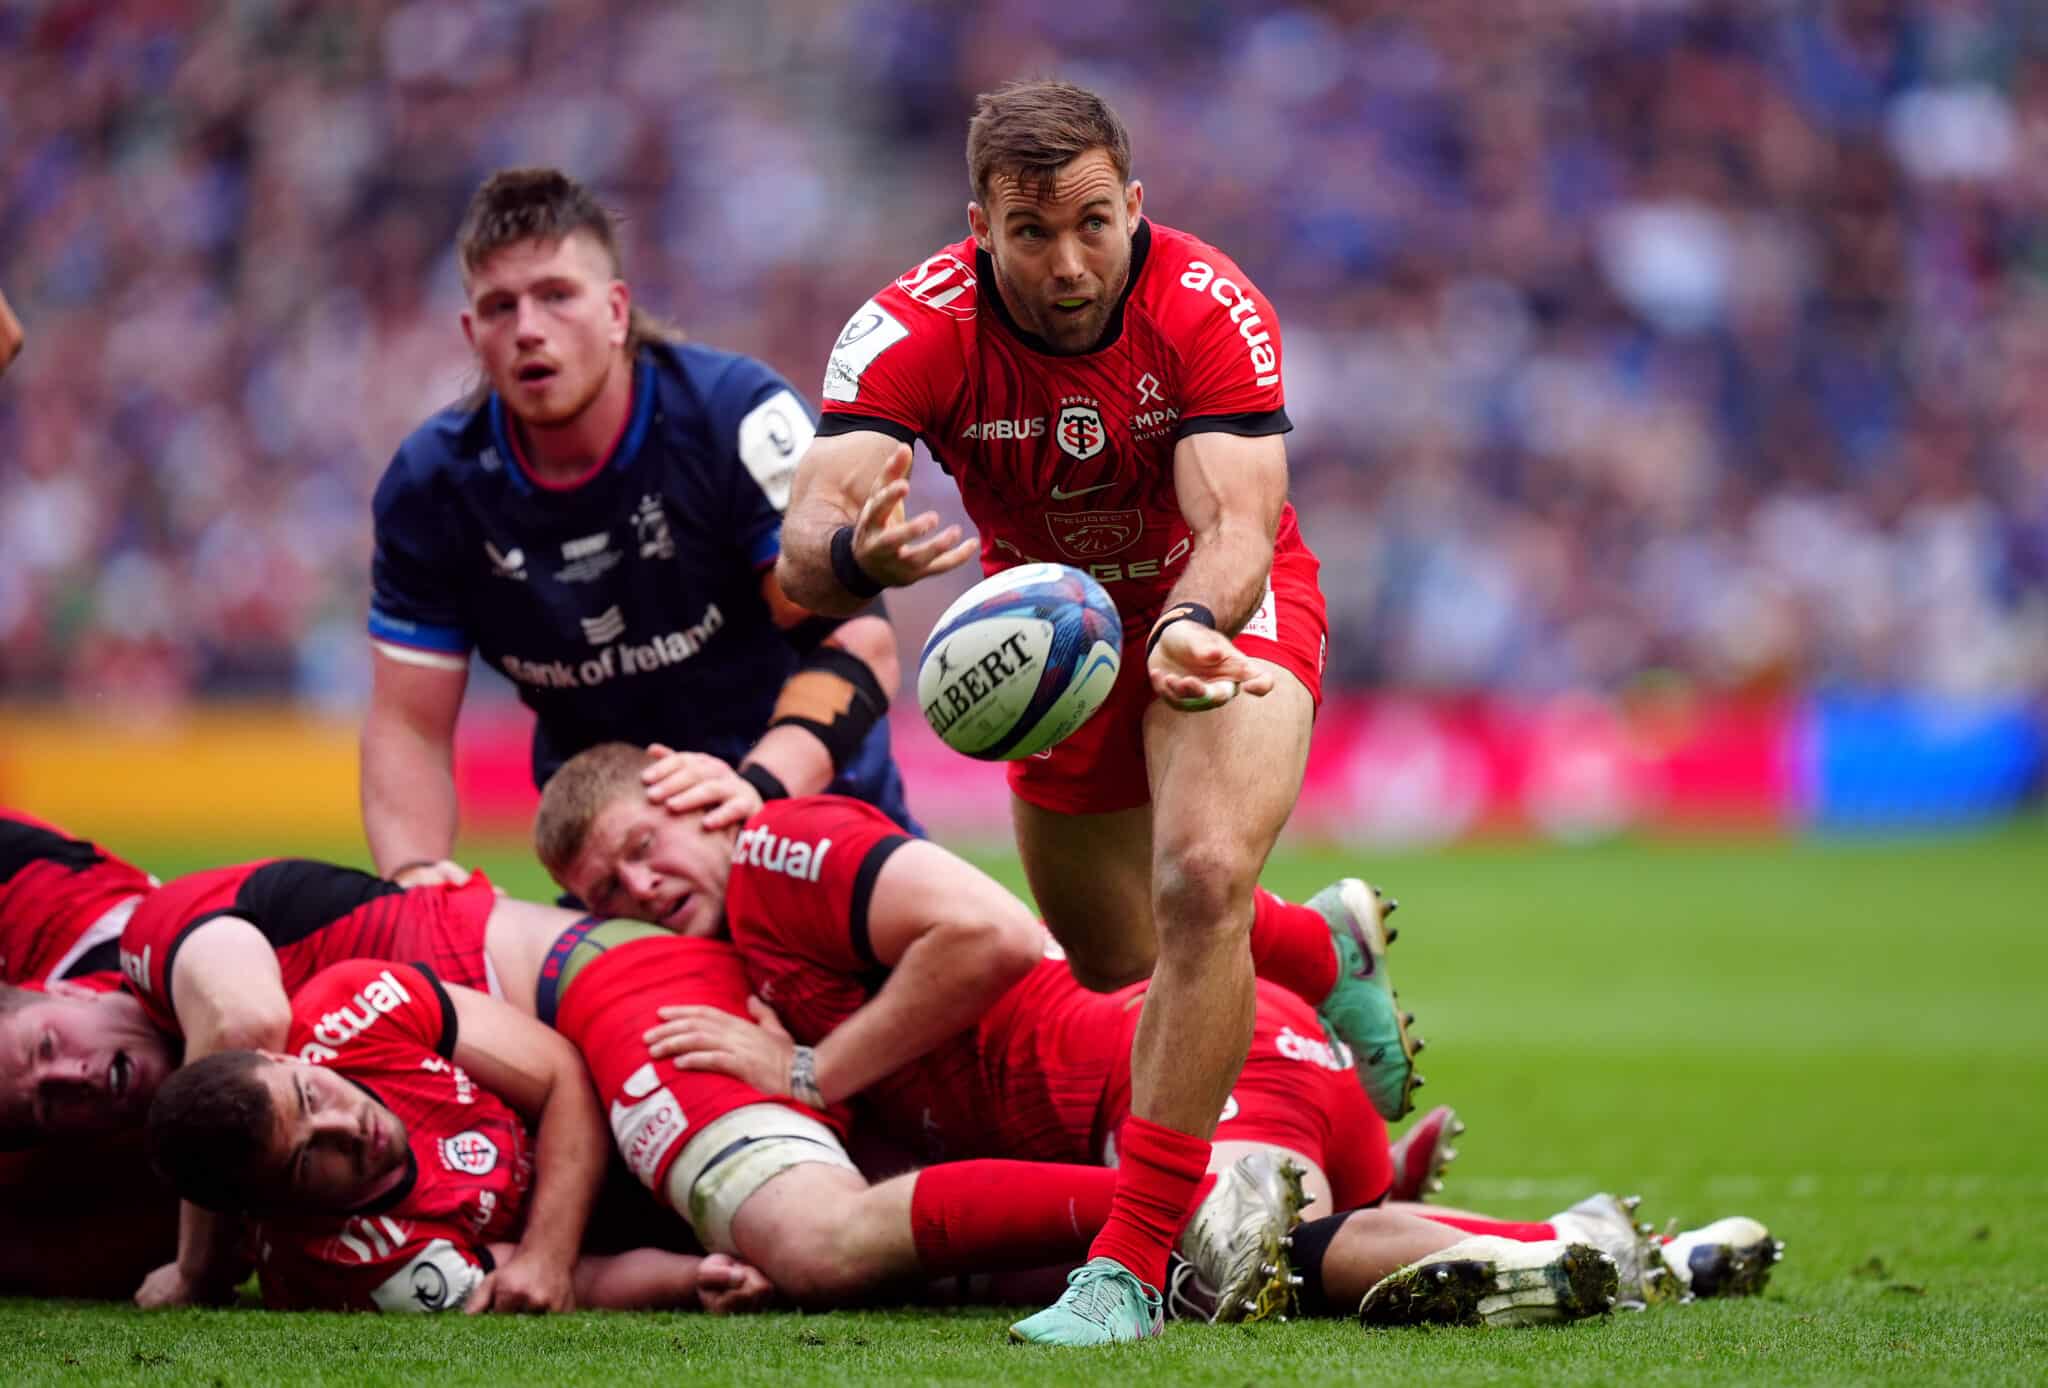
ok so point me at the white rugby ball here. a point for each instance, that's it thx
(1020, 661)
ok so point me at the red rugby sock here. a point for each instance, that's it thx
(1156, 1189)
(1531, 1232)
(993, 1216)
(1291, 947)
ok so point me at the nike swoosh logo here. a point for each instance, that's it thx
(1058, 495)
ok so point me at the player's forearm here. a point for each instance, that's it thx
(408, 794)
(804, 568)
(1226, 572)
(793, 756)
(640, 1279)
(944, 983)
(208, 1251)
(568, 1163)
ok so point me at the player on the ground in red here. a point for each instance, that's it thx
(920, 984)
(1106, 391)
(385, 1155)
(80, 1219)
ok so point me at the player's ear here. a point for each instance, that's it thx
(619, 299)
(469, 329)
(977, 222)
(1134, 201)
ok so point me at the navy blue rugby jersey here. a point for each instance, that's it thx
(627, 604)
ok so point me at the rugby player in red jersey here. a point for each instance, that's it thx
(1106, 392)
(385, 1158)
(919, 983)
(81, 1218)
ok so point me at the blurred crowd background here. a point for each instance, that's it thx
(1706, 337)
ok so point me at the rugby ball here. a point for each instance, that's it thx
(1019, 661)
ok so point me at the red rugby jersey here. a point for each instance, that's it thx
(1027, 1082)
(314, 915)
(1068, 457)
(58, 901)
(391, 1029)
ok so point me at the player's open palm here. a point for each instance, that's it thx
(755, 1052)
(893, 549)
(686, 781)
(1194, 667)
(526, 1284)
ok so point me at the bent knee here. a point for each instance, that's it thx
(1205, 887)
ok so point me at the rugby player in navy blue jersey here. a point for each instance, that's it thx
(601, 523)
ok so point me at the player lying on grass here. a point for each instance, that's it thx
(921, 984)
(80, 1218)
(383, 1157)
(215, 953)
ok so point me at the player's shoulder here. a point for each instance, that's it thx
(1189, 283)
(916, 319)
(442, 450)
(812, 814)
(373, 1001)
(693, 378)
(943, 288)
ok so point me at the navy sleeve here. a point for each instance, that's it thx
(758, 422)
(414, 609)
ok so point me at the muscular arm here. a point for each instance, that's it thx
(538, 1073)
(832, 481)
(859, 479)
(1231, 490)
(794, 755)
(408, 761)
(954, 939)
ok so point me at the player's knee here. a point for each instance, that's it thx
(1203, 889)
(837, 1261)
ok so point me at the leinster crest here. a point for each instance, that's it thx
(650, 528)
(1080, 432)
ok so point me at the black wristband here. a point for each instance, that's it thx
(1179, 612)
(765, 781)
(852, 577)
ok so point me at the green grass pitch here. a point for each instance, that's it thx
(1848, 1040)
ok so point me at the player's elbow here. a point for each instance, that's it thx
(250, 1024)
(998, 948)
(872, 640)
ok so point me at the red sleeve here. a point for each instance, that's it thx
(362, 1003)
(803, 873)
(895, 362)
(372, 1263)
(1229, 341)
(151, 939)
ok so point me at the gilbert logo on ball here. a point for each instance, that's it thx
(1020, 661)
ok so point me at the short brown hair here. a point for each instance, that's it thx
(1032, 130)
(209, 1126)
(586, 785)
(547, 205)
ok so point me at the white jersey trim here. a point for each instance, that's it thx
(413, 655)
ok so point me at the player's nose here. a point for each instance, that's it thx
(526, 328)
(1067, 264)
(641, 881)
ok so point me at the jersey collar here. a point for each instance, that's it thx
(985, 271)
(623, 447)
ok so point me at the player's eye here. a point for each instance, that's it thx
(557, 295)
(1030, 233)
(46, 1049)
(1097, 224)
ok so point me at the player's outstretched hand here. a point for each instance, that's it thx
(444, 872)
(1194, 667)
(686, 781)
(168, 1286)
(705, 1038)
(525, 1284)
(894, 550)
(726, 1286)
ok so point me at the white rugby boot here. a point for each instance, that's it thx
(1236, 1243)
(1483, 1280)
(1730, 1257)
(1608, 1223)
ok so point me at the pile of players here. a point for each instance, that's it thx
(825, 1058)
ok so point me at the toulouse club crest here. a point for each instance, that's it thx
(1080, 432)
(469, 1152)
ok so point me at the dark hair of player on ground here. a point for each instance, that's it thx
(576, 794)
(547, 205)
(209, 1128)
(1031, 130)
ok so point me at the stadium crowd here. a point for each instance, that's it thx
(1622, 333)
